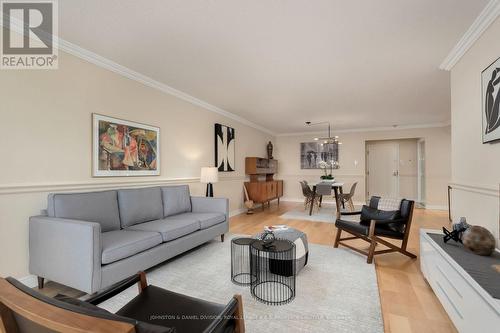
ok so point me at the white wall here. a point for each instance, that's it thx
(353, 149)
(475, 166)
(46, 130)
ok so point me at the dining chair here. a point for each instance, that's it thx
(346, 198)
(323, 189)
(310, 197)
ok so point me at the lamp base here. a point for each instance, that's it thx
(210, 190)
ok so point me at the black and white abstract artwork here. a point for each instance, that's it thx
(224, 147)
(490, 78)
(313, 153)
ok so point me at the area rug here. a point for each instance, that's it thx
(325, 214)
(336, 292)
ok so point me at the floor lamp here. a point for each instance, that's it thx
(209, 175)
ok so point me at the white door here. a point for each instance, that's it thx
(383, 169)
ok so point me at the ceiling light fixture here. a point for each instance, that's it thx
(328, 140)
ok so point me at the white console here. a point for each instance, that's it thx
(469, 306)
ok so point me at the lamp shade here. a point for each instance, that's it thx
(209, 175)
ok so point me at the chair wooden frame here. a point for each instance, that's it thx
(374, 240)
(13, 300)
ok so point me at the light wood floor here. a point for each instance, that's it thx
(408, 302)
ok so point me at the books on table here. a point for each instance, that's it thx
(273, 228)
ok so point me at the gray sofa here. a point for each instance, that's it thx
(89, 241)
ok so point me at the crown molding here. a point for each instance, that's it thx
(94, 58)
(370, 129)
(482, 22)
(110, 65)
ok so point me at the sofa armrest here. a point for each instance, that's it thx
(210, 205)
(66, 251)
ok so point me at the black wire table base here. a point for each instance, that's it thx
(240, 261)
(274, 270)
(282, 294)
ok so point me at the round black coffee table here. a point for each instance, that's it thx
(275, 272)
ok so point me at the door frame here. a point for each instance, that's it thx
(421, 198)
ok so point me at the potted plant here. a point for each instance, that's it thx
(325, 166)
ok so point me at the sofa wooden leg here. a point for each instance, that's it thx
(40, 282)
(337, 238)
(222, 238)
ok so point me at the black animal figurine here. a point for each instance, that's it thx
(458, 230)
(268, 239)
(455, 235)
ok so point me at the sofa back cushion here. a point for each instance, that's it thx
(176, 200)
(140, 205)
(100, 207)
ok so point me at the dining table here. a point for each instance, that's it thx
(336, 187)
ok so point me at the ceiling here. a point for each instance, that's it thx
(279, 63)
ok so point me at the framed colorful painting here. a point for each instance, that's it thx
(124, 148)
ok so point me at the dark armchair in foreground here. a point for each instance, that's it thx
(376, 223)
(154, 310)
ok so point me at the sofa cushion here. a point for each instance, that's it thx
(121, 244)
(176, 200)
(140, 205)
(209, 219)
(100, 207)
(170, 228)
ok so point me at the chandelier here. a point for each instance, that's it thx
(326, 140)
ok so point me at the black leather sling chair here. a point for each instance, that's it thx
(154, 310)
(375, 224)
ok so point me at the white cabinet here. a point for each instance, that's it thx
(469, 306)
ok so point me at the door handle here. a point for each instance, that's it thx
(395, 173)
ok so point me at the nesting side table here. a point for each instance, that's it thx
(274, 272)
(240, 261)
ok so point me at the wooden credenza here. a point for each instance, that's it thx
(262, 187)
(265, 191)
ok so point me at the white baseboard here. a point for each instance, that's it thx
(326, 202)
(236, 212)
(30, 281)
(436, 207)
